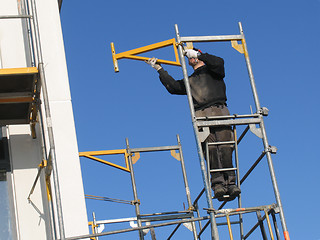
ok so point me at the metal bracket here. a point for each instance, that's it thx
(188, 225)
(175, 155)
(131, 54)
(204, 134)
(135, 157)
(134, 225)
(189, 45)
(237, 46)
(276, 210)
(256, 131)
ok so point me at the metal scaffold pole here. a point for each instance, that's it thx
(134, 188)
(184, 173)
(264, 136)
(52, 152)
(214, 229)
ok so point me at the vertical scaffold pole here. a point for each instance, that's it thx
(134, 188)
(52, 151)
(264, 137)
(185, 179)
(214, 229)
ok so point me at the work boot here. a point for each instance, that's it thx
(219, 190)
(233, 192)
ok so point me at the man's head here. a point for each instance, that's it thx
(195, 63)
(192, 56)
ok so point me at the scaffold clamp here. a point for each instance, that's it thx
(271, 149)
(264, 111)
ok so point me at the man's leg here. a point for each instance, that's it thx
(214, 162)
(218, 180)
(220, 156)
(225, 134)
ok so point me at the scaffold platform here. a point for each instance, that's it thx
(18, 95)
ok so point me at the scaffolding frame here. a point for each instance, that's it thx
(176, 217)
(257, 118)
(201, 129)
(272, 207)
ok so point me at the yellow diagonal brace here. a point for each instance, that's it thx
(158, 60)
(131, 53)
(91, 155)
(106, 162)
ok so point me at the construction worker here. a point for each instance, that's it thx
(209, 98)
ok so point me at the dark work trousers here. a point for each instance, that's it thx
(220, 156)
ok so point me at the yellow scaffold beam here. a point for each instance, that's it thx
(92, 155)
(131, 54)
(18, 71)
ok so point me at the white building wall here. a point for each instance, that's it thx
(25, 156)
(71, 187)
(72, 194)
(25, 152)
(12, 52)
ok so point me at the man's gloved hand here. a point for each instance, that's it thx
(153, 63)
(190, 53)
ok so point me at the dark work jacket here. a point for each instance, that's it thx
(206, 82)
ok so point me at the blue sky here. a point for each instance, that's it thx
(282, 39)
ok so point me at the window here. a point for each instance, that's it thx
(5, 199)
(5, 213)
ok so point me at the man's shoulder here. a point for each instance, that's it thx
(201, 69)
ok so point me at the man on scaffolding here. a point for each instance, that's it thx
(209, 98)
